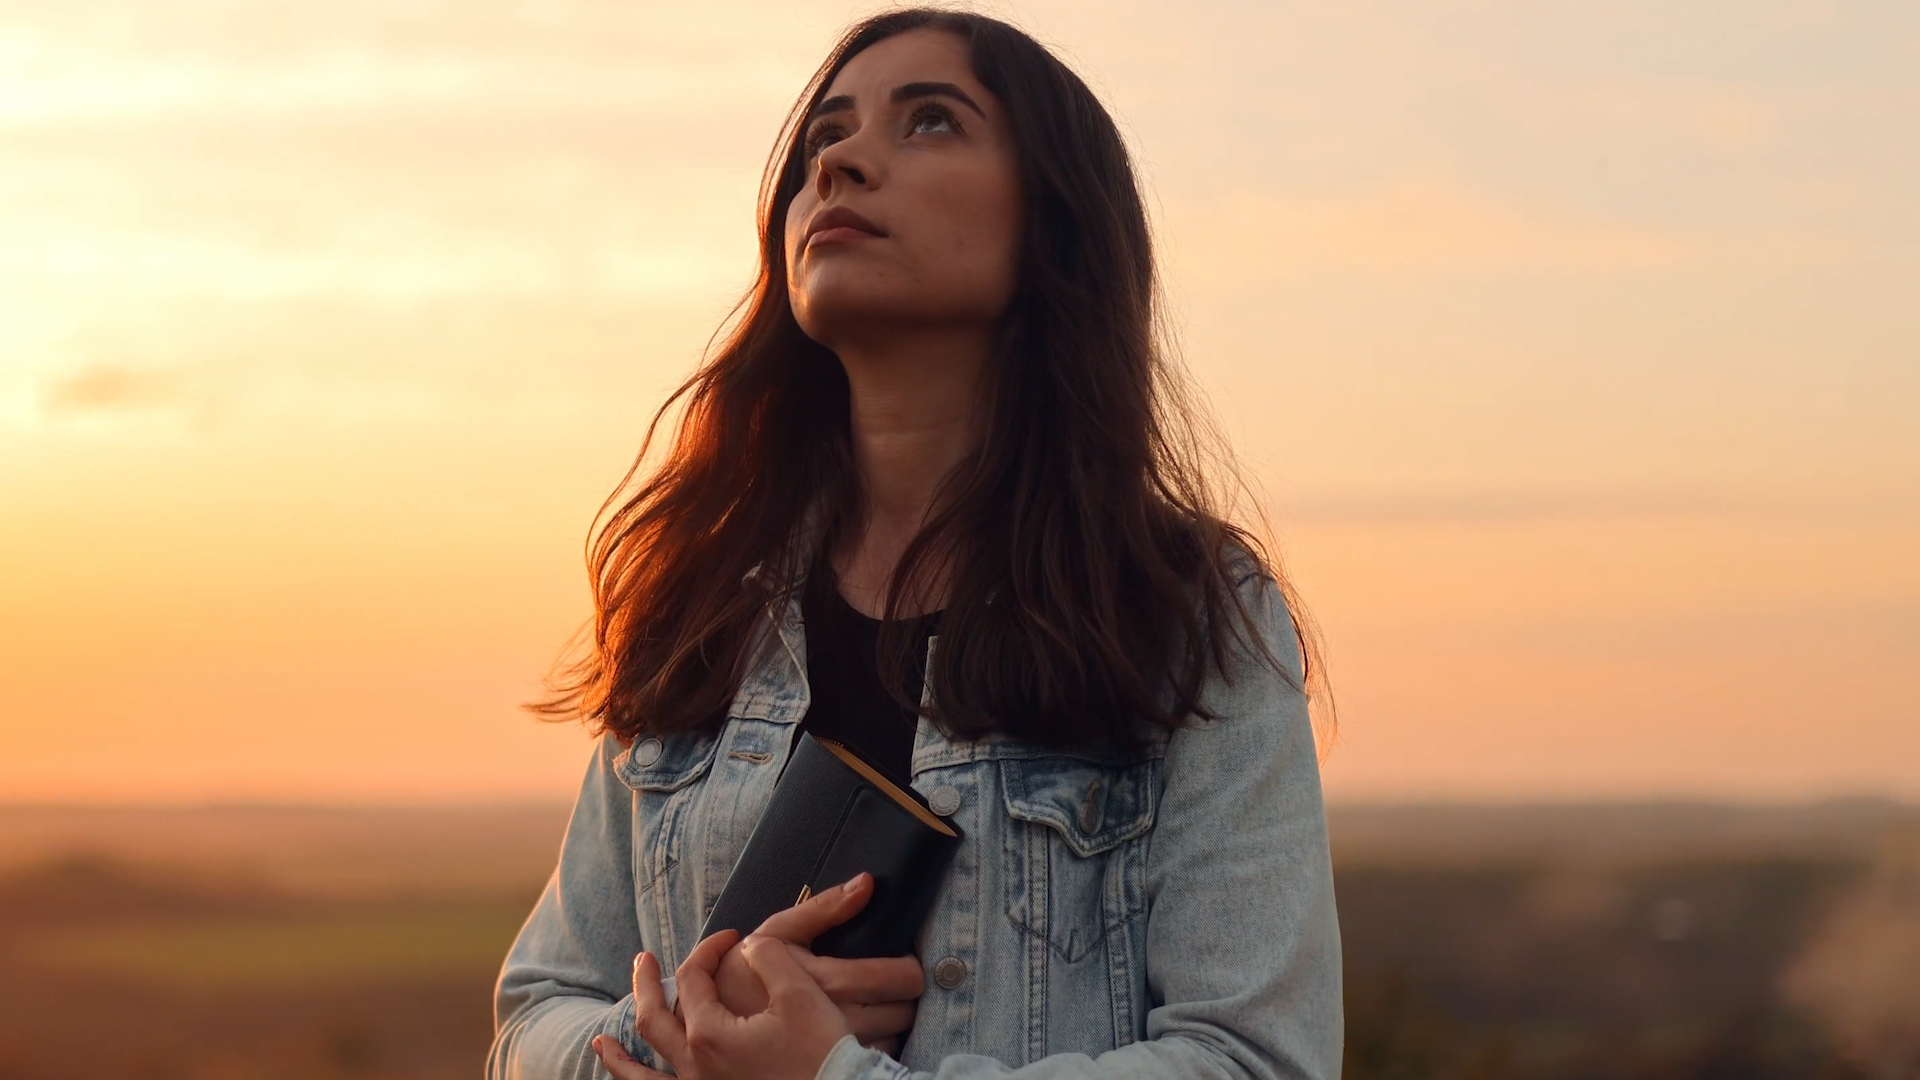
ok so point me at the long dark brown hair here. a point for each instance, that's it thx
(1090, 573)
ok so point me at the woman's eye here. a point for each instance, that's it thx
(820, 138)
(928, 119)
(932, 120)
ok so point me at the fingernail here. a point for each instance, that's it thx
(848, 885)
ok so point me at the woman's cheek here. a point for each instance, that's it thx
(991, 237)
(984, 266)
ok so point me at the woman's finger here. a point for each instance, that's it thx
(652, 1017)
(698, 995)
(789, 988)
(816, 915)
(870, 981)
(614, 1057)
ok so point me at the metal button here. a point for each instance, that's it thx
(1090, 809)
(944, 800)
(950, 972)
(646, 752)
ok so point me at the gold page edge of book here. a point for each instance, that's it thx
(891, 789)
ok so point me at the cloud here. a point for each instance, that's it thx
(1716, 117)
(1492, 508)
(1522, 507)
(271, 57)
(1414, 223)
(111, 388)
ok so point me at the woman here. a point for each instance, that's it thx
(936, 495)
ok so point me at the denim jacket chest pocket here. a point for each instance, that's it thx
(663, 772)
(1077, 847)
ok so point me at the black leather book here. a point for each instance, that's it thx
(833, 815)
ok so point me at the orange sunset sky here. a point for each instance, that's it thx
(1576, 348)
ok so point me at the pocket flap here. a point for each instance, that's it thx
(1093, 807)
(665, 762)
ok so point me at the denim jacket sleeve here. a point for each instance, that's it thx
(568, 976)
(1243, 945)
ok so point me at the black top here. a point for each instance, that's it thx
(848, 702)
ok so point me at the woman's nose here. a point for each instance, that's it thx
(837, 164)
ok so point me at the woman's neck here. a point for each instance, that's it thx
(913, 418)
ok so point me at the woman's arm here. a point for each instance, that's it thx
(1243, 944)
(568, 976)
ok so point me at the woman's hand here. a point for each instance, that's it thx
(876, 996)
(788, 1040)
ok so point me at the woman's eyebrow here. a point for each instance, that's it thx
(903, 92)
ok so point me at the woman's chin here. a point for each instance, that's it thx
(828, 315)
(833, 313)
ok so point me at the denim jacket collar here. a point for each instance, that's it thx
(775, 685)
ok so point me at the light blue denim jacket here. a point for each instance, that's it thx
(1166, 916)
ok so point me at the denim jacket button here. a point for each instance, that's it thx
(646, 752)
(950, 972)
(944, 800)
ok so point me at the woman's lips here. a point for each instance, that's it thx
(840, 234)
(840, 225)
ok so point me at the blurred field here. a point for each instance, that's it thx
(1643, 941)
(230, 943)
(1632, 941)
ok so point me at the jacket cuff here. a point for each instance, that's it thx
(628, 1033)
(848, 1060)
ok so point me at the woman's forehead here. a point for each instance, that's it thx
(921, 55)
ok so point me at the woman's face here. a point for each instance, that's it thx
(910, 214)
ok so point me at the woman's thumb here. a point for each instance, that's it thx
(823, 911)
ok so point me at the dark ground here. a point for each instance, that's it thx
(1557, 943)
